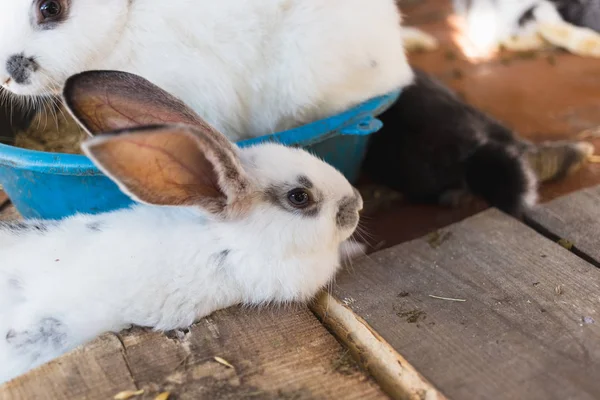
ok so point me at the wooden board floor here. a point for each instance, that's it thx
(488, 307)
(267, 354)
(574, 219)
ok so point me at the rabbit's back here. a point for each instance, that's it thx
(253, 68)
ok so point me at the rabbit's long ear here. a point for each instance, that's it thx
(173, 165)
(104, 101)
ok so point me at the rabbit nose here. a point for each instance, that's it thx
(20, 68)
(347, 215)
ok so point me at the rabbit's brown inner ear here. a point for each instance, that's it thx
(103, 101)
(162, 166)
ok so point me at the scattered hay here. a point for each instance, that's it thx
(127, 394)
(566, 244)
(51, 129)
(437, 238)
(163, 396)
(558, 290)
(446, 298)
(554, 160)
(224, 362)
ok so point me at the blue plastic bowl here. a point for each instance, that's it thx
(56, 185)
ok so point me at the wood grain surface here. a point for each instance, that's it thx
(485, 309)
(263, 354)
(574, 219)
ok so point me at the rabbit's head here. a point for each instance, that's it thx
(160, 152)
(43, 42)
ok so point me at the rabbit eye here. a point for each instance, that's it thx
(299, 198)
(50, 9)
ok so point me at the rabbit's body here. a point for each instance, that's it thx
(434, 144)
(121, 275)
(215, 225)
(248, 68)
(436, 148)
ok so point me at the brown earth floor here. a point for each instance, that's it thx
(545, 96)
(552, 95)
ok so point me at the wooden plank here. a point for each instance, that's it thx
(528, 327)
(275, 354)
(575, 218)
(95, 372)
(392, 371)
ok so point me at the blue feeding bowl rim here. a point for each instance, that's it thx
(314, 132)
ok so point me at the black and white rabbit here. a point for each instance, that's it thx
(434, 146)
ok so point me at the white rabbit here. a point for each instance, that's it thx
(215, 225)
(249, 68)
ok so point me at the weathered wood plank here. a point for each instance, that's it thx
(393, 373)
(95, 372)
(275, 354)
(528, 327)
(576, 218)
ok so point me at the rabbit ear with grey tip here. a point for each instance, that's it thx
(173, 165)
(106, 101)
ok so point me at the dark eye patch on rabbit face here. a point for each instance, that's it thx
(300, 197)
(48, 14)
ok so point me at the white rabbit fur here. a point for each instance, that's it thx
(168, 261)
(247, 67)
(162, 267)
